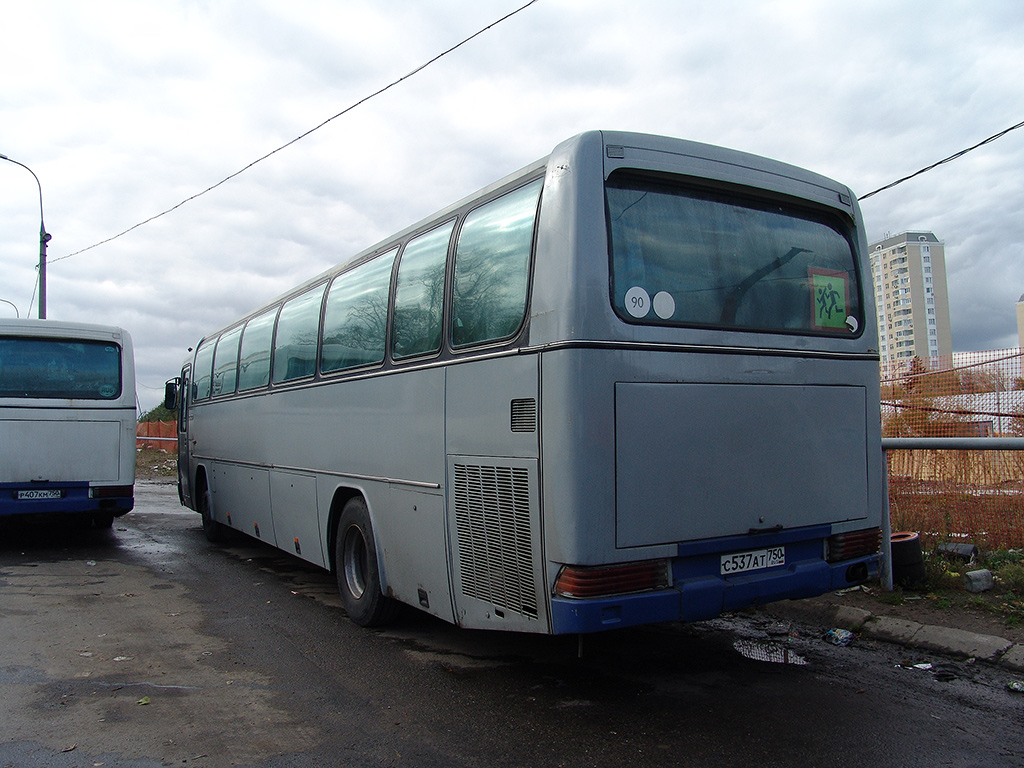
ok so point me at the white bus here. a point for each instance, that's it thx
(67, 420)
(636, 381)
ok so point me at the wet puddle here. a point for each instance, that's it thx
(765, 650)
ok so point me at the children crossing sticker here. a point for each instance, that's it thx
(830, 298)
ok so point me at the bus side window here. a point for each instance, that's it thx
(492, 265)
(203, 384)
(254, 358)
(225, 363)
(419, 294)
(355, 320)
(298, 329)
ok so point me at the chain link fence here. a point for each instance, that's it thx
(957, 495)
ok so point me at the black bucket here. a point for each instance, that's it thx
(907, 559)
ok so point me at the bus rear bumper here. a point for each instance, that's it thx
(705, 597)
(18, 499)
(709, 596)
(572, 616)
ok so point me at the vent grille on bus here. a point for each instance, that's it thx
(492, 519)
(524, 415)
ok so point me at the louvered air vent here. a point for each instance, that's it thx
(524, 415)
(492, 519)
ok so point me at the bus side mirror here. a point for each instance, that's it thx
(171, 394)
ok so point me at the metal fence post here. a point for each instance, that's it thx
(886, 526)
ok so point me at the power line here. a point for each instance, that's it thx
(307, 133)
(419, 69)
(952, 157)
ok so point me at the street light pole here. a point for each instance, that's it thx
(44, 238)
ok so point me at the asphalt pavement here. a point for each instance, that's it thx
(146, 645)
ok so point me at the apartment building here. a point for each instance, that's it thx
(909, 273)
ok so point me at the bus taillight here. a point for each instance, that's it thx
(599, 581)
(846, 546)
(111, 492)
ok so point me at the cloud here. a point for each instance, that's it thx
(135, 107)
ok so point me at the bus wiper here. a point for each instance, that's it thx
(732, 301)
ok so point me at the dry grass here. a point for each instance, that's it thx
(944, 588)
(991, 518)
(151, 464)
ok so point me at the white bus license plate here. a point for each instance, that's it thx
(41, 494)
(753, 561)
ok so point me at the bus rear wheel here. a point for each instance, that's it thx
(355, 559)
(213, 530)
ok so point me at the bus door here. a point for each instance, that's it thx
(184, 483)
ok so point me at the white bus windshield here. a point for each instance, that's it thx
(689, 257)
(59, 368)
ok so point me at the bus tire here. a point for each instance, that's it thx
(103, 520)
(355, 558)
(213, 530)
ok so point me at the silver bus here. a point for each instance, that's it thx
(635, 382)
(67, 420)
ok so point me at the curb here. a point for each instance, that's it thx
(926, 637)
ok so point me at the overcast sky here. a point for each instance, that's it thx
(125, 109)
